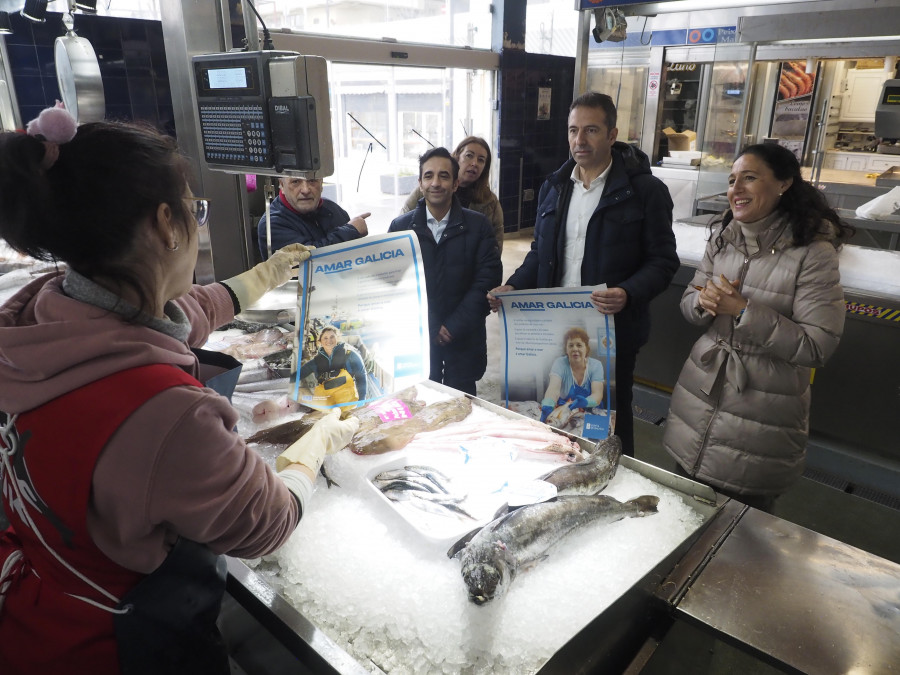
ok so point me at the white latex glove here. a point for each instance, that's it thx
(327, 436)
(257, 281)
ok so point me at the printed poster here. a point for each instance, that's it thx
(793, 106)
(362, 328)
(543, 112)
(560, 360)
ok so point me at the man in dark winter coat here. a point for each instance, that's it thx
(603, 218)
(299, 215)
(462, 263)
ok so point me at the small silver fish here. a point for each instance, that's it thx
(438, 504)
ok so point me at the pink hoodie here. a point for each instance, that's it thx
(175, 467)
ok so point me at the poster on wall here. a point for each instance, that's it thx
(362, 322)
(543, 112)
(559, 360)
(793, 106)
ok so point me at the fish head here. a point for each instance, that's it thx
(485, 582)
(487, 576)
(609, 449)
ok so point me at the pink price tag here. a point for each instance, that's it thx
(393, 409)
(251, 182)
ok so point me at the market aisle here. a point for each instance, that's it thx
(488, 387)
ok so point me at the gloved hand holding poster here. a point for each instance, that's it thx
(559, 359)
(362, 322)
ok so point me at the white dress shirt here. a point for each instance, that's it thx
(582, 204)
(436, 226)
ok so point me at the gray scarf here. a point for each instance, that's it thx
(79, 287)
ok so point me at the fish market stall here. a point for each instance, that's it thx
(365, 585)
(374, 578)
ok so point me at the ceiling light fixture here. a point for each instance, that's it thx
(35, 10)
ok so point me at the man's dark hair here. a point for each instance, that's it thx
(439, 152)
(593, 99)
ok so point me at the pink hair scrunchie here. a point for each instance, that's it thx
(53, 126)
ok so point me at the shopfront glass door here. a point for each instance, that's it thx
(385, 117)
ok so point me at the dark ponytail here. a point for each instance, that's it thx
(25, 193)
(87, 209)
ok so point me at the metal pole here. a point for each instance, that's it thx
(581, 56)
(250, 27)
(745, 104)
(819, 150)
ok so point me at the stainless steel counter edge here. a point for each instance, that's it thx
(797, 599)
(313, 648)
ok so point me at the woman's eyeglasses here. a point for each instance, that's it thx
(200, 210)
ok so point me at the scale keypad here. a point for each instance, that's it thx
(234, 134)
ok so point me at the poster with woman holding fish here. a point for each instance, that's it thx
(362, 322)
(559, 360)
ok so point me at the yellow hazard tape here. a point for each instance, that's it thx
(886, 313)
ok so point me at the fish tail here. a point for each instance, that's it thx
(645, 504)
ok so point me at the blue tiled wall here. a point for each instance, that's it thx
(538, 147)
(132, 61)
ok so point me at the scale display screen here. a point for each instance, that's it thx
(227, 78)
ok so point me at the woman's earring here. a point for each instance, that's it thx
(172, 248)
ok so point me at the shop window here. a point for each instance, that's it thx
(551, 27)
(626, 84)
(434, 22)
(385, 117)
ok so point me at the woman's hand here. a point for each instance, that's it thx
(721, 296)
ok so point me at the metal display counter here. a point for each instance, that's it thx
(881, 233)
(793, 598)
(804, 602)
(267, 633)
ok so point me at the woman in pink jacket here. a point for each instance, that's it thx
(122, 477)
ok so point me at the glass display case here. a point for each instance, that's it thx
(720, 137)
(625, 79)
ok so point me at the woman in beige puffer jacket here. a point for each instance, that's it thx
(768, 290)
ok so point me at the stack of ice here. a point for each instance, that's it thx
(394, 601)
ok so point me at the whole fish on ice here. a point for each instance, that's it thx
(591, 475)
(396, 435)
(369, 417)
(494, 555)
